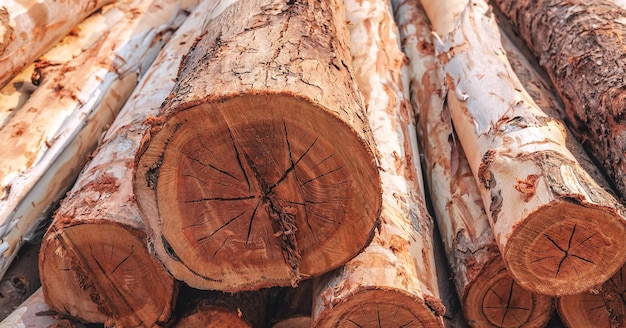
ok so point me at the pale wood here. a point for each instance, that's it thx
(35, 313)
(94, 260)
(559, 232)
(393, 283)
(29, 27)
(259, 170)
(580, 45)
(489, 296)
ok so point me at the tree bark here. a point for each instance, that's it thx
(599, 307)
(94, 261)
(559, 232)
(35, 313)
(489, 296)
(259, 170)
(393, 283)
(580, 44)
(50, 137)
(28, 28)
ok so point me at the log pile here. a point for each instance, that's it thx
(293, 163)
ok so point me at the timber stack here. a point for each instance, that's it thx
(307, 163)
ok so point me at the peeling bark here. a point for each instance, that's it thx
(489, 296)
(29, 27)
(393, 283)
(581, 46)
(259, 170)
(95, 262)
(559, 232)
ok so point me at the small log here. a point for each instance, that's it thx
(489, 296)
(29, 27)
(393, 283)
(259, 169)
(214, 309)
(49, 139)
(35, 313)
(94, 261)
(21, 279)
(559, 233)
(291, 307)
(599, 307)
(580, 44)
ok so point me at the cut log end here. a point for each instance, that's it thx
(496, 300)
(102, 274)
(270, 179)
(370, 307)
(565, 249)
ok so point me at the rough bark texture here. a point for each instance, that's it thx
(559, 232)
(94, 260)
(604, 306)
(259, 170)
(393, 283)
(213, 309)
(49, 139)
(29, 27)
(580, 44)
(489, 296)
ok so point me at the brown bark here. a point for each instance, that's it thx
(28, 28)
(393, 283)
(558, 232)
(214, 309)
(94, 260)
(259, 170)
(489, 296)
(604, 306)
(580, 44)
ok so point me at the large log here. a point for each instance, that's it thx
(580, 44)
(48, 140)
(393, 283)
(94, 260)
(29, 27)
(489, 296)
(558, 231)
(259, 169)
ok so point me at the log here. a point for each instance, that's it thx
(215, 309)
(49, 139)
(94, 259)
(29, 27)
(599, 307)
(559, 233)
(580, 45)
(489, 296)
(291, 307)
(21, 279)
(393, 283)
(35, 313)
(259, 169)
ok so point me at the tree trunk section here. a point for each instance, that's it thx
(393, 283)
(35, 313)
(28, 28)
(489, 296)
(94, 261)
(50, 138)
(214, 309)
(580, 44)
(600, 307)
(260, 170)
(559, 232)
(291, 307)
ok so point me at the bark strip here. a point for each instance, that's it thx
(393, 283)
(259, 170)
(559, 232)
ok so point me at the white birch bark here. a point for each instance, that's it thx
(558, 231)
(394, 281)
(28, 28)
(48, 140)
